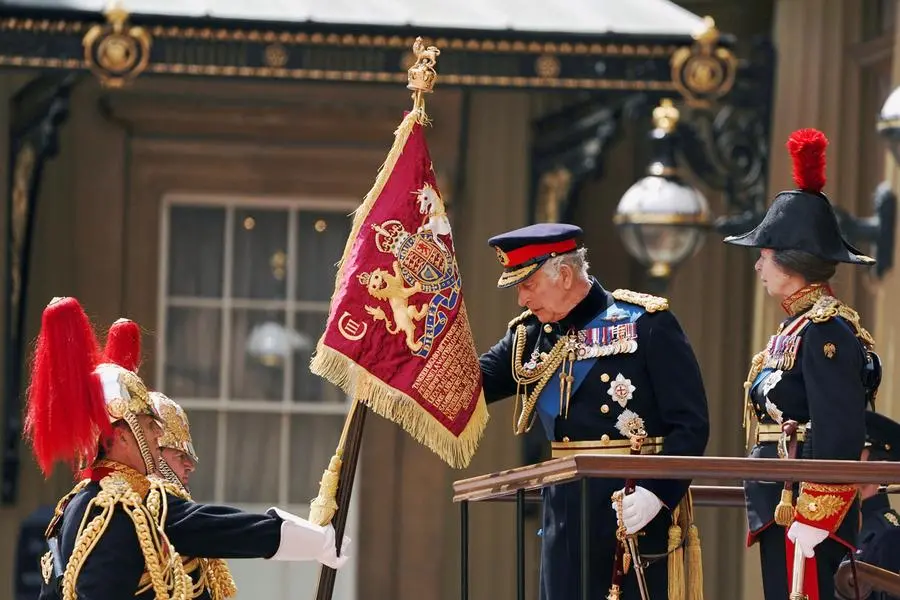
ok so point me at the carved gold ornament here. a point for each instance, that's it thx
(422, 75)
(704, 72)
(115, 52)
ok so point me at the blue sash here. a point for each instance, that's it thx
(548, 401)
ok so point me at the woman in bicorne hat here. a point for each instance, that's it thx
(806, 393)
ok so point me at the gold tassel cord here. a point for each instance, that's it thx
(676, 558)
(784, 512)
(323, 506)
(693, 555)
(694, 565)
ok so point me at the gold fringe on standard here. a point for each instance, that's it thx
(355, 381)
(784, 512)
(396, 406)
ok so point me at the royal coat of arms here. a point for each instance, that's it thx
(424, 267)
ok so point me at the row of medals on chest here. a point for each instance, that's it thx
(579, 345)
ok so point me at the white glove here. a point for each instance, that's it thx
(638, 509)
(302, 541)
(806, 537)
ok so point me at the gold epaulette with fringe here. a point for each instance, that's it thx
(167, 577)
(214, 573)
(61, 507)
(829, 307)
(525, 314)
(646, 301)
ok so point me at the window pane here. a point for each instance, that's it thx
(309, 387)
(252, 454)
(193, 345)
(204, 433)
(260, 254)
(314, 439)
(196, 250)
(260, 346)
(320, 243)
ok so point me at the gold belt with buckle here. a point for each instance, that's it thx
(771, 432)
(651, 445)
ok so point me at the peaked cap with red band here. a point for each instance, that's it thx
(803, 219)
(523, 251)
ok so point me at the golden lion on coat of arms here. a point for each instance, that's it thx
(381, 285)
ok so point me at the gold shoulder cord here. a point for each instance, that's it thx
(540, 375)
(166, 572)
(214, 573)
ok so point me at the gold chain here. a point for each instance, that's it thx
(525, 377)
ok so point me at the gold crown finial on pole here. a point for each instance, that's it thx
(422, 74)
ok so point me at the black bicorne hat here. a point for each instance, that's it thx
(803, 219)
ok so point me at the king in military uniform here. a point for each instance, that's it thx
(806, 392)
(598, 370)
(120, 525)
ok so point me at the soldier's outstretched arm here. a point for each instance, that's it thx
(218, 531)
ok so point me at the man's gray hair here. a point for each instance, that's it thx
(576, 260)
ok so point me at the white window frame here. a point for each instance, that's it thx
(223, 405)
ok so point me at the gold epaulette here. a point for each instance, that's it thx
(648, 302)
(116, 491)
(525, 314)
(829, 307)
(61, 507)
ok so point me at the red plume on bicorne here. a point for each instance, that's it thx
(123, 345)
(66, 413)
(807, 148)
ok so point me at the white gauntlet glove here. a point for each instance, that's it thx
(302, 541)
(638, 509)
(806, 537)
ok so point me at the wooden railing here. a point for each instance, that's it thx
(523, 485)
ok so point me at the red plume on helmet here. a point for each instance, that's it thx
(807, 148)
(66, 413)
(123, 345)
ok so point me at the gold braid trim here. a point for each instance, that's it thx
(166, 572)
(540, 376)
(219, 580)
(214, 573)
(525, 314)
(648, 302)
(828, 307)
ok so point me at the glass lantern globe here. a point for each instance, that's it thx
(662, 222)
